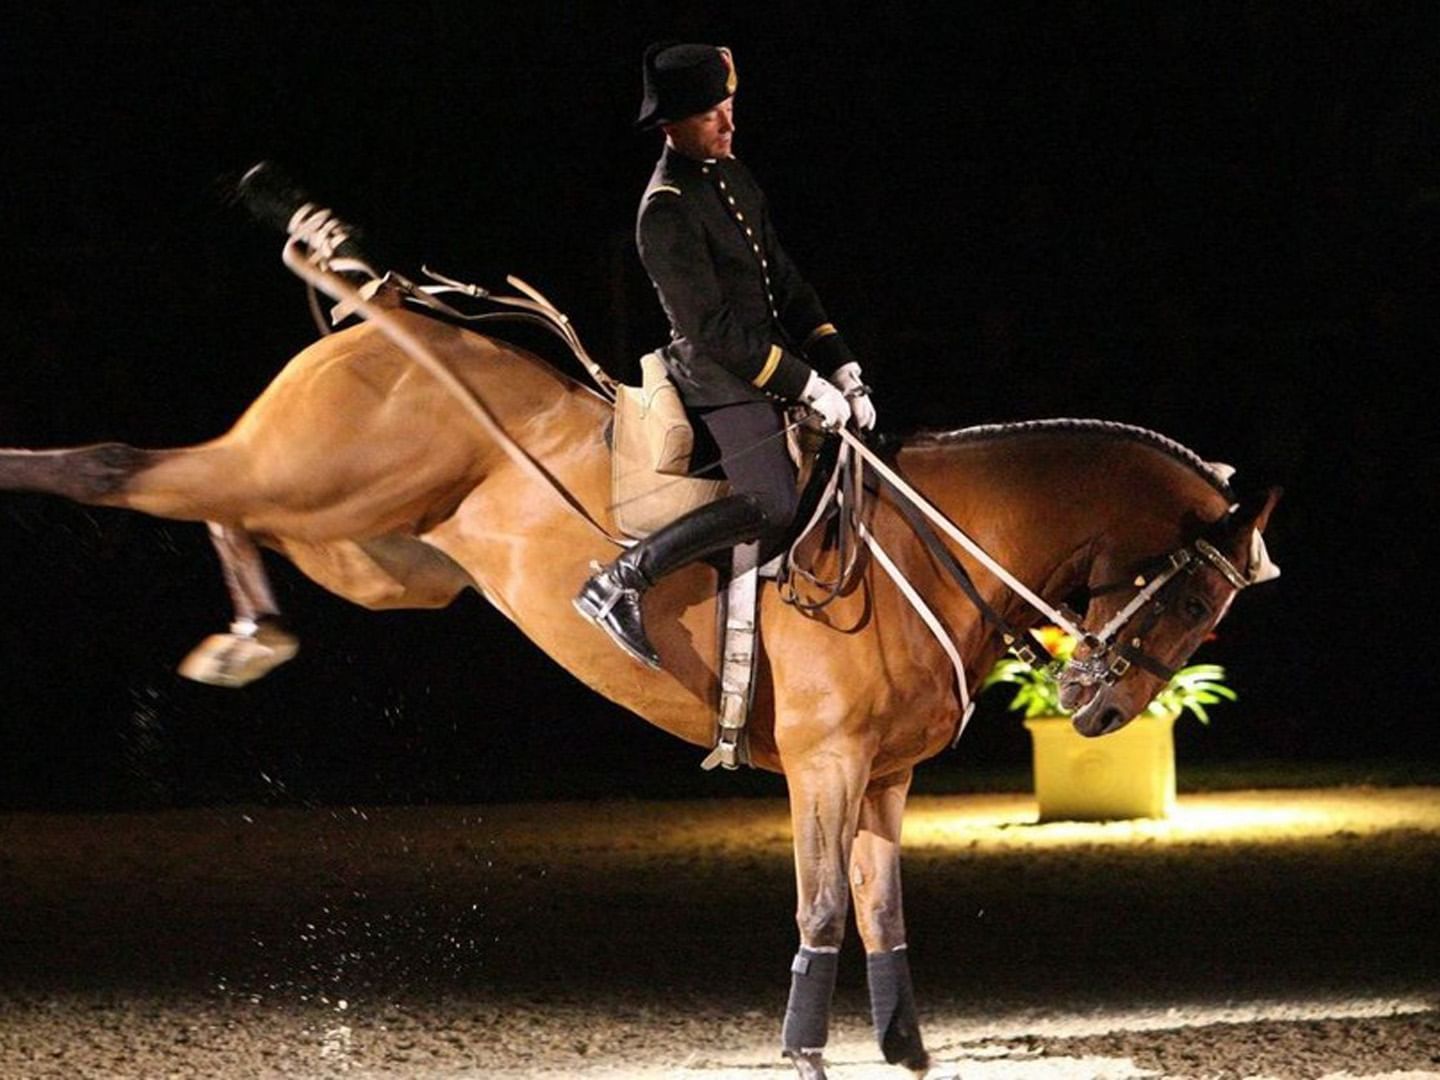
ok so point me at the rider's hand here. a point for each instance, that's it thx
(847, 378)
(827, 402)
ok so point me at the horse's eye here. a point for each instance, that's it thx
(1195, 609)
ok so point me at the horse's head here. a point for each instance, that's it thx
(1142, 628)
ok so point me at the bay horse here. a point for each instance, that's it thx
(364, 472)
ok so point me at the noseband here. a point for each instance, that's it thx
(1116, 647)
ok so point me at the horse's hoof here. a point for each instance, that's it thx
(809, 1065)
(234, 660)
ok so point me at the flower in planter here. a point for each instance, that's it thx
(1038, 691)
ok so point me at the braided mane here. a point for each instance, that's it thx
(1112, 429)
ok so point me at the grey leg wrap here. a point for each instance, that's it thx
(807, 1014)
(892, 1007)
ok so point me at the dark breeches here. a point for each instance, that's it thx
(747, 438)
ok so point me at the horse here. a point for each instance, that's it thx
(369, 476)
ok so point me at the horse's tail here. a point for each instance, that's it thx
(187, 484)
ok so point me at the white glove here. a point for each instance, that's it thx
(847, 378)
(828, 402)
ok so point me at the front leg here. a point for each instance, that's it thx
(825, 792)
(880, 917)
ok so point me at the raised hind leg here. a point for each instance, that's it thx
(880, 918)
(282, 490)
(187, 484)
(825, 793)
(87, 474)
(257, 641)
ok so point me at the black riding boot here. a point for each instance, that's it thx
(611, 598)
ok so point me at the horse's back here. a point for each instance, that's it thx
(359, 372)
(352, 439)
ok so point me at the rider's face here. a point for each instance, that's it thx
(704, 135)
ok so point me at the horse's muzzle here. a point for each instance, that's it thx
(1098, 716)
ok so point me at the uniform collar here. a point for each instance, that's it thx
(677, 163)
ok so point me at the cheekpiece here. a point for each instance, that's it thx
(682, 80)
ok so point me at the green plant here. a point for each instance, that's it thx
(1037, 690)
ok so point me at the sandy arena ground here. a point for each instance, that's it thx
(1258, 934)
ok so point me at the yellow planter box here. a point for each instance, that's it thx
(1129, 773)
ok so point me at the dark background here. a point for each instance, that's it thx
(1217, 221)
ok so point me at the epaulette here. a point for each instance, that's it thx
(662, 187)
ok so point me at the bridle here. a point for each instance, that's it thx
(1115, 648)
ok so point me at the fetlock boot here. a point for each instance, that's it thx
(611, 598)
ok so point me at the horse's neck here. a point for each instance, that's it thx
(1055, 511)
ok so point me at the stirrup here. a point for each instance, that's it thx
(250, 651)
(729, 752)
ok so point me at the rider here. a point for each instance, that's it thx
(741, 318)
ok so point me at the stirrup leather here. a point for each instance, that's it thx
(737, 662)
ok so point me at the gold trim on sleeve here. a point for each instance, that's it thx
(771, 363)
(824, 330)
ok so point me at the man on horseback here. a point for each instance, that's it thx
(741, 318)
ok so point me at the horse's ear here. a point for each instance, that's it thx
(1254, 510)
(1245, 526)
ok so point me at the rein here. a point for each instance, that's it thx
(844, 490)
(950, 529)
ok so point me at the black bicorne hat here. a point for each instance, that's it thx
(682, 80)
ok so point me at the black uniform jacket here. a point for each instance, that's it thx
(740, 313)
